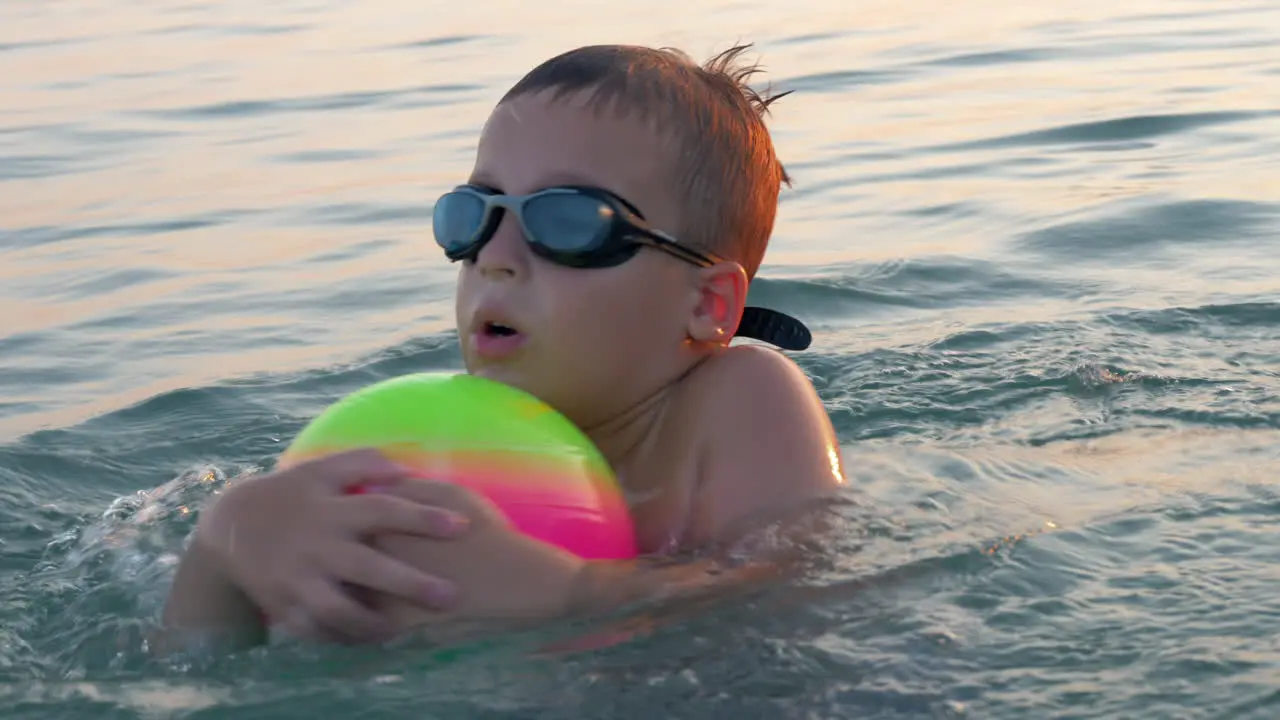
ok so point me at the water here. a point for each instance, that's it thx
(1038, 248)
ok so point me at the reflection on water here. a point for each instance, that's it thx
(1037, 246)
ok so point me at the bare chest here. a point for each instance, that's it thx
(661, 491)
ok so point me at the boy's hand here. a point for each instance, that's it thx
(500, 573)
(295, 539)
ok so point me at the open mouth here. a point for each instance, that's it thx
(494, 329)
(495, 340)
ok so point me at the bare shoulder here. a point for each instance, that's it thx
(728, 371)
(751, 386)
(767, 440)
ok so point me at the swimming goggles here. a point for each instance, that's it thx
(584, 227)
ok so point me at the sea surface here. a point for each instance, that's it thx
(1038, 243)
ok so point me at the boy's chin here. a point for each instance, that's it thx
(505, 374)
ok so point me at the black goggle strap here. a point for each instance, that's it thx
(775, 328)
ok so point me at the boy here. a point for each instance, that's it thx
(621, 201)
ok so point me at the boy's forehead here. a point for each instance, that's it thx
(539, 136)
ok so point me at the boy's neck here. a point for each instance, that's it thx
(620, 437)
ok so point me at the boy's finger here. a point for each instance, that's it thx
(354, 467)
(434, 493)
(363, 566)
(373, 513)
(330, 612)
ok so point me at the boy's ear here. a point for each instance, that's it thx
(722, 294)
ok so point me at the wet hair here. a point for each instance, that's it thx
(724, 168)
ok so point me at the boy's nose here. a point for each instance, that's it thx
(506, 253)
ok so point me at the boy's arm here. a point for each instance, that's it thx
(288, 544)
(205, 609)
(771, 455)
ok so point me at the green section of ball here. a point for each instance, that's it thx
(442, 412)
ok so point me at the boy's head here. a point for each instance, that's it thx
(719, 160)
(621, 200)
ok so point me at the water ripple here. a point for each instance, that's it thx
(838, 81)
(1118, 130)
(39, 236)
(1144, 228)
(999, 57)
(364, 214)
(442, 41)
(229, 30)
(425, 95)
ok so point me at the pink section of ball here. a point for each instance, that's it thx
(582, 515)
(589, 534)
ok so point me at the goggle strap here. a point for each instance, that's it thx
(775, 328)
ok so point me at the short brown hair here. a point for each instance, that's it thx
(726, 172)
